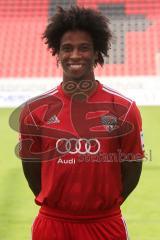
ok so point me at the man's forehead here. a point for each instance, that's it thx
(77, 36)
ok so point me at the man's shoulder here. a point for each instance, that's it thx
(116, 96)
(42, 98)
(36, 106)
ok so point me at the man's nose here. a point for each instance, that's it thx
(75, 53)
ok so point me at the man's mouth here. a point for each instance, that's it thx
(75, 66)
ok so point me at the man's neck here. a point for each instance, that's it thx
(86, 87)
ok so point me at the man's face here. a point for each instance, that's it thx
(77, 56)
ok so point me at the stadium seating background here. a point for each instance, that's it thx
(26, 66)
(135, 49)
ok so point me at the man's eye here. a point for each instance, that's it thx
(66, 49)
(84, 48)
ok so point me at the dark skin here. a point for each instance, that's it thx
(131, 172)
(77, 57)
(32, 172)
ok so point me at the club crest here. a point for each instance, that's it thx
(110, 122)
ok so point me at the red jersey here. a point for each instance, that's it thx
(81, 142)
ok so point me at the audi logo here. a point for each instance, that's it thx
(81, 145)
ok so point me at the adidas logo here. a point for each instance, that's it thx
(53, 119)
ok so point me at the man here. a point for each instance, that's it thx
(81, 142)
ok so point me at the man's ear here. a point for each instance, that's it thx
(57, 60)
(96, 55)
(95, 58)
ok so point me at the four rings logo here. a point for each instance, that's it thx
(75, 145)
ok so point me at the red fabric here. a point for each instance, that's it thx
(65, 216)
(48, 226)
(92, 184)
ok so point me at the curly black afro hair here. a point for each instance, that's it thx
(77, 18)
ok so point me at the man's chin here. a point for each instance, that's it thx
(77, 78)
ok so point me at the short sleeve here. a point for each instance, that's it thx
(132, 146)
(29, 136)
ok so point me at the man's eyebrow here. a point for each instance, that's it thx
(66, 44)
(83, 43)
(86, 43)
